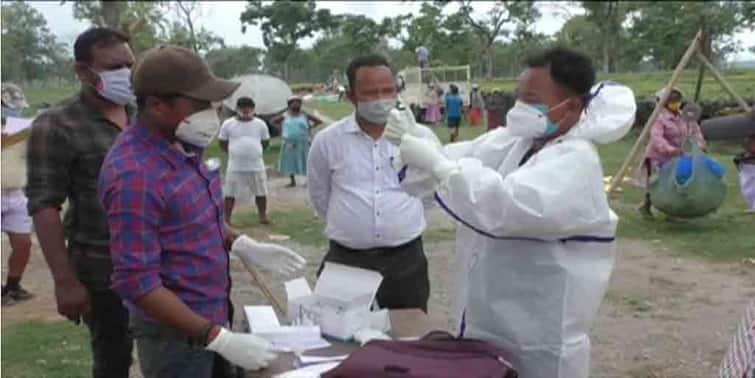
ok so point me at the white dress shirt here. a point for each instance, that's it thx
(352, 184)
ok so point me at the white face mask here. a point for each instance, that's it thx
(376, 111)
(116, 86)
(200, 128)
(530, 121)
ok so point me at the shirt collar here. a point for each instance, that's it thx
(97, 114)
(351, 125)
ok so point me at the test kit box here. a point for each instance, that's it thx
(341, 302)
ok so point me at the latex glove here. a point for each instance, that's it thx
(272, 257)
(243, 349)
(399, 123)
(425, 155)
(365, 335)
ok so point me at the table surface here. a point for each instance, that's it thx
(404, 323)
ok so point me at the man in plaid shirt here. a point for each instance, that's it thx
(168, 239)
(66, 148)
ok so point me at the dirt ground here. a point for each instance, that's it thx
(664, 315)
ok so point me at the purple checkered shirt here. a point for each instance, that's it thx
(165, 212)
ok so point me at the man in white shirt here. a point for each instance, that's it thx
(353, 184)
(243, 138)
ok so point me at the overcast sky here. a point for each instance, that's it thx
(222, 18)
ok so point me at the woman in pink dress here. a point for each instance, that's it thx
(671, 129)
(432, 116)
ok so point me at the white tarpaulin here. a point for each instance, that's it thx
(269, 93)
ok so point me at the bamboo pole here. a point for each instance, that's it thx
(674, 78)
(722, 81)
(257, 278)
(701, 69)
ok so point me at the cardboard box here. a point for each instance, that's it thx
(341, 302)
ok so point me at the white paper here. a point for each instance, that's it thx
(264, 323)
(15, 125)
(380, 320)
(309, 360)
(297, 288)
(299, 345)
(348, 284)
(312, 371)
(261, 318)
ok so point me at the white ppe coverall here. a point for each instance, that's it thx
(534, 242)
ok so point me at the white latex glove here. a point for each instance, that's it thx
(399, 123)
(242, 349)
(365, 335)
(272, 257)
(425, 155)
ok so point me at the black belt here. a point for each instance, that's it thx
(378, 250)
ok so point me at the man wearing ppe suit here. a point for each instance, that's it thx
(168, 239)
(535, 239)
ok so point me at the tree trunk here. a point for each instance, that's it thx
(489, 62)
(111, 13)
(606, 58)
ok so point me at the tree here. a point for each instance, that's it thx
(449, 38)
(580, 32)
(201, 42)
(283, 24)
(30, 51)
(663, 30)
(608, 17)
(233, 61)
(142, 21)
(185, 32)
(491, 28)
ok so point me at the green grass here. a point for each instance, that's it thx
(51, 94)
(34, 349)
(646, 84)
(298, 222)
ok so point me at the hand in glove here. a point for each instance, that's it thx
(425, 155)
(242, 349)
(272, 257)
(399, 123)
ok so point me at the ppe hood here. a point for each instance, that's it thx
(609, 114)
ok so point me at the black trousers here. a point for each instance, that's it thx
(108, 318)
(404, 268)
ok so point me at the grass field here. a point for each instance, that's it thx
(33, 349)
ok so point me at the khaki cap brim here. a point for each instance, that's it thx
(215, 90)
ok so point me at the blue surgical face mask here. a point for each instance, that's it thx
(531, 120)
(550, 126)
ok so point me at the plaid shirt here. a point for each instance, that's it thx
(739, 361)
(66, 148)
(165, 211)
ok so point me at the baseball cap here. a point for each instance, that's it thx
(13, 97)
(169, 70)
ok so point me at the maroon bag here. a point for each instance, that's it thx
(437, 355)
